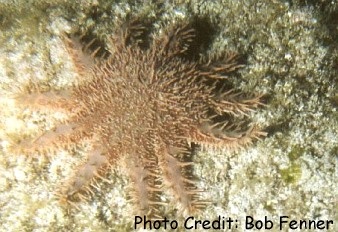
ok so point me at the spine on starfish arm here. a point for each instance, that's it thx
(80, 186)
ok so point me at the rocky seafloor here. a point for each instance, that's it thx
(291, 55)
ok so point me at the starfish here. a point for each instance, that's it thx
(147, 104)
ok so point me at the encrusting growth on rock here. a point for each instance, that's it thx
(147, 104)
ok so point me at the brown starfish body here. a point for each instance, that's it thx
(149, 105)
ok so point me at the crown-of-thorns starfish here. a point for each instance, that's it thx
(146, 104)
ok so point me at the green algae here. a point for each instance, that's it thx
(296, 152)
(292, 174)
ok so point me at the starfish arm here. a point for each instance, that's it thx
(176, 166)
(83, 59)
(47, 101)
(224, 137)
(128, 35)
(174, 41)
(78, 187)
(59, 137)
(218, 66)
(234, 103)
(145, 189)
